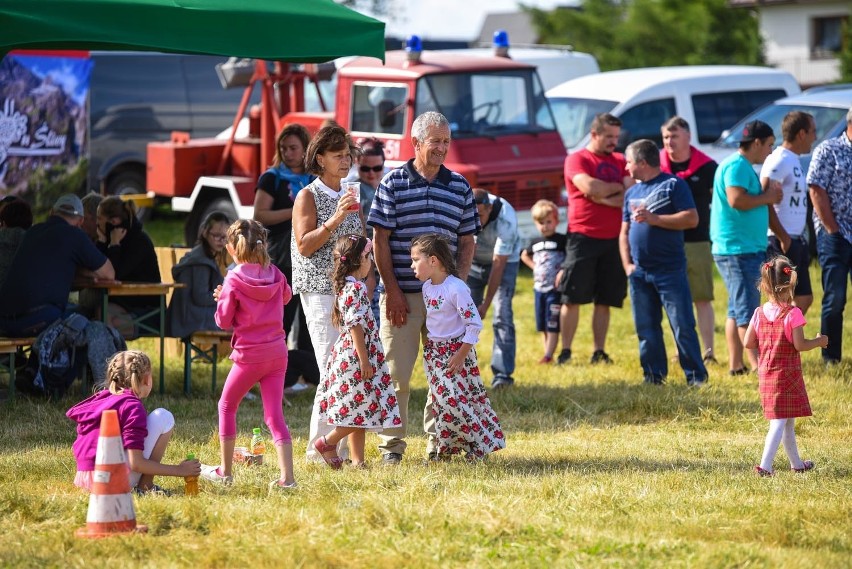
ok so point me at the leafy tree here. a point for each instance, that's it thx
(641, 33)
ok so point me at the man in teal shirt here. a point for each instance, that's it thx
(739, 220)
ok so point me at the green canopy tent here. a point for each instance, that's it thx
(304, 31)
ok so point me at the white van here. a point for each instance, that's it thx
(710, 97)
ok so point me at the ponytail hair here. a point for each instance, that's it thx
(249, 240)
(114, 206)
(126, 370)
(778, 279)
(434, 245)
(348, 254)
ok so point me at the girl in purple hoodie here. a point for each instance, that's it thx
(251, 302)
(144, 435)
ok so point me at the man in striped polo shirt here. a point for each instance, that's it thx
(419, 197)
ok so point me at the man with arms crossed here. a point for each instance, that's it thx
(596, 179)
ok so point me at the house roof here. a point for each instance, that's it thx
(765, 3)
(518, 25)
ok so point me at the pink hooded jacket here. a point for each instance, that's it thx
(252, 304)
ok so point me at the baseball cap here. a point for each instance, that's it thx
(69, 204)
(755, 130)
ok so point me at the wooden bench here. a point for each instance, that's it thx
(10, 346)
(195, 350)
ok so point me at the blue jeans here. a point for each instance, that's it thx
(835, 258)
(503, 352)
(741, 274)
(650, 294)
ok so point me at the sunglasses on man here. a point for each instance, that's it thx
(371, 168)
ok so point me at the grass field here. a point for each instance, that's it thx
(599, 470)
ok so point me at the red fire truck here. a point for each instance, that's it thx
(504, 134)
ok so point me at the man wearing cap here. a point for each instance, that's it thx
(830, 182)
(40, 277)
(492, 278)
(739, 221)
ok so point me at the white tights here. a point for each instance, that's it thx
(781, 430)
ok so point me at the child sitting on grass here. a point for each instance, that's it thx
(144, 436)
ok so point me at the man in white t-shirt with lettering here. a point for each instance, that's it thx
(787, 220)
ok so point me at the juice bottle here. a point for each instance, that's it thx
(258, 445)
(190, 482)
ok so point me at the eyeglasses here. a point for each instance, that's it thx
(218, 236)
(371, 168)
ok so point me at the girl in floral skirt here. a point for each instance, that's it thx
(357, 392)
(777, 331)
(464, 419)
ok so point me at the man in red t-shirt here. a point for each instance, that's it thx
(596, 178)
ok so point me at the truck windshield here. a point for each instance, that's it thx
(574, 116)
(477, 104)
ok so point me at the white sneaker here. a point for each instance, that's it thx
(279, 485)
(211, 473)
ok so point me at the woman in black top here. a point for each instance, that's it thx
(131, 252)
(273, 207)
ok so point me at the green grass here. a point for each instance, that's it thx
(599, 470)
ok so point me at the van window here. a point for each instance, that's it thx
(714, 112)
(379, 108)
(644, 121)
(574, 116)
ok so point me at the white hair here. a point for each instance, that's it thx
(427, 120)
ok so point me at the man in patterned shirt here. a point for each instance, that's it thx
(421, 196)
(830, 183)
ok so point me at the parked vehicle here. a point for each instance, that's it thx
(136, 98)
(828, 105)
(504, 135)
(710, 98)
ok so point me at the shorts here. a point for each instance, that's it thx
(699, 270)
(547, 305)
(592, 272)
(741, 274)
(800, 256)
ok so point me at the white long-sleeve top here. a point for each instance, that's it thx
(450, 311)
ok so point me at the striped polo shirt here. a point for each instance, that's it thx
(408, 205)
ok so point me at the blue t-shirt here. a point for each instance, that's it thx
(654, 248)
(735, 231)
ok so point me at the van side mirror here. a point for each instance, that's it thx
(387, 113)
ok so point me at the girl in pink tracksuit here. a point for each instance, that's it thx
(251, 302)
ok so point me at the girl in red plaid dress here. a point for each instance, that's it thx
(776, 330)
(464, 420)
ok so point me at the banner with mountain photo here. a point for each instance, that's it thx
(43, 125)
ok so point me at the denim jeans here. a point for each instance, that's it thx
(650, 294)
(741, 274)
(503, 353)
(835, 258)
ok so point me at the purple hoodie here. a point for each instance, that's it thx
(132, 420)
(252, 303)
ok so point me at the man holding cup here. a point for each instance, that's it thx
(658, 209)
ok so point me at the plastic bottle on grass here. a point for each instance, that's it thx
(190, 482)
(258, 445)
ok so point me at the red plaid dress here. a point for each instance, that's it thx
(782, 387)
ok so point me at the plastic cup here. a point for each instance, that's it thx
(634, 205)
(353, 188)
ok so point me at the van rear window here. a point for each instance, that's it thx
(715, 112)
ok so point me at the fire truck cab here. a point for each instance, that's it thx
(504, 135)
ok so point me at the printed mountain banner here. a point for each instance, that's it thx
(43, 125)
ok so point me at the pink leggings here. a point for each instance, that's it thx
(270, 376)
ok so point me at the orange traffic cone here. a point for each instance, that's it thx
(110, 503)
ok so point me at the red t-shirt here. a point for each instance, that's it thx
(585, 216)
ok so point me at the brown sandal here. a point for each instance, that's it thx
(323, 447)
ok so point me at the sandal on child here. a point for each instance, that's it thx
(763, 473)
(323, 447)
(806, 465)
